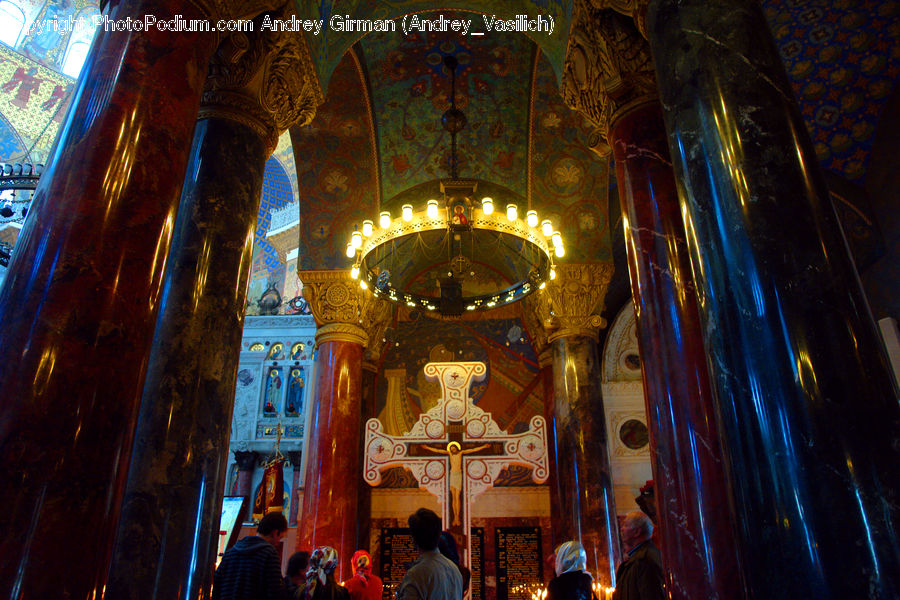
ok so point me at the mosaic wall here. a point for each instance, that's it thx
(843, 59)
(411, 90)
(336, 171)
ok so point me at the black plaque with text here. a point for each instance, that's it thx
(397, 551)
(476, 584)
(520, 570)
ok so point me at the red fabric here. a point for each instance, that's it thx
(270, 497)
(369, 588)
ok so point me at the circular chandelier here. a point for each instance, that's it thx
(448, 238)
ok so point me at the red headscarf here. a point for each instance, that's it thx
(362, 564)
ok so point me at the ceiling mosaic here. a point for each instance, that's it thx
(336, 172)
(410, 92)
(569, 183)
(843, 59)
(334, 38)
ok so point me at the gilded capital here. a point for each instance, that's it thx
(608, 68)
(567, 306)
(636, 9)
(263, 79)
(342, 309)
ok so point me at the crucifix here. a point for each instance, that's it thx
(455, 450)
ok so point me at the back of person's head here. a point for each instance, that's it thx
(570, 556)
(640, 522)
(297, 563)
(272, 522)
(425, 527)
(447, 546)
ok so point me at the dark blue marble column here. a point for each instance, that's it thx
(167, 539)
(584, 484)
(808, 415)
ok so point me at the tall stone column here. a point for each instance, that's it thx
(345, 314)
(80, 300)
(808, 413)
(367, 411)
(698, 546)
(259, 84)
(295, 457)
(584, 489)
(246, 463)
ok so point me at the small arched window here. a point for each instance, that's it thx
(80, 42)
(12, 23)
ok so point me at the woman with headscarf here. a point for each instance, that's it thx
(363, 585)
(320, 582)
(572, 582)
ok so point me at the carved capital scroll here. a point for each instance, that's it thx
(608, 68)
(263, 79)
(567, 306)
(342, 310)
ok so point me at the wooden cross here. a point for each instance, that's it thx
(427, 450)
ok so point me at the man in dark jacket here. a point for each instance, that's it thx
(640, 576)
(251, 569)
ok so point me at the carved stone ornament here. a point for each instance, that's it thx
(567, 306)
(636, 9)
(344, 311)
(264, 80)
(608, 68)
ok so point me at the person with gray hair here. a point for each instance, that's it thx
(572, 581)
(640, 576)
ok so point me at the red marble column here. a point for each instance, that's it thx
(692, 491)
(80, 301)
(331, 488)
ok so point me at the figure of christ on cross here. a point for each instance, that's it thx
(455, 453)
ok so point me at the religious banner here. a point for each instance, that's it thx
(270, 497)
(455, 450)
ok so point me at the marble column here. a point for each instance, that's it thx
(173, 497)
(344, 314)
(698, 546)
(368, 411)
(247, 461)
(808, 416)
(557, 521)
(295, 457)
(584, 489)
(80, 300)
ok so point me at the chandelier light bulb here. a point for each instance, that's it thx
(543, 285)
(531, 218)
(368, 226)
(487, 205)
(384, 220)
(351, 251)
(512, 212)
(556, 238)
(552, 274)
(356, 239)
(407, 212)
(354, 272)
(559, 251)
(432, 209)
(547, 228)
(363, 285)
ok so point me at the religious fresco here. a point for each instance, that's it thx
(329, 45)
(410, 92)
(336, 171)
(33, 102)
(511, 390)
(843, 60)
(569, 183)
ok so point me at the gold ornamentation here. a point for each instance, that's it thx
(264, 80)
(608, 68)
(342, 310)
(636, 9)
(567, 306)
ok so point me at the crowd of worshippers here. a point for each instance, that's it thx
(251, 569)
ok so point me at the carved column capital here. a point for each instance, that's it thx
(342, 309)
(263, 79)
(608, 69)
(246, 459)
(567, 306)
(636, 9)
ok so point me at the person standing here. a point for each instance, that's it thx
(432, 576)
(251, 569)
(572, 582)
(295, 577)
(640, 576)
(363, 585)
(320, 581)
